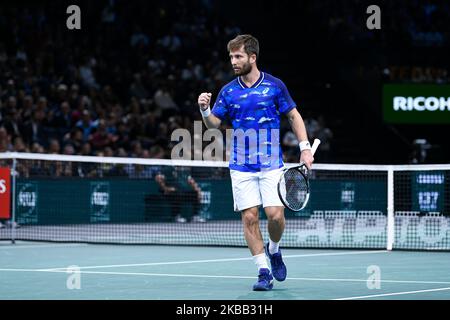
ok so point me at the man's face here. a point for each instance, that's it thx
(241, 61)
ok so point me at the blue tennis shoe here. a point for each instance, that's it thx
(265, 281)
(276, 262)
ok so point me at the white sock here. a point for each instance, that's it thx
(273, 246)
(261, 261)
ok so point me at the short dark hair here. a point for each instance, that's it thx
(250, 43)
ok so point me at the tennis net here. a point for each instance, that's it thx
(154, 201)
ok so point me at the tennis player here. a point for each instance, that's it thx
(254, 101)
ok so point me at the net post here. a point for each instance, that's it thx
(390, 209)
(13, 207)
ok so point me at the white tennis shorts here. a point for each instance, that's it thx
(251, 189)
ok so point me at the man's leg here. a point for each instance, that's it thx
(276, 224)
(194, 198)
(176, 199)
(274, 210)
(252, 232)
(253, 236)
(247, 199)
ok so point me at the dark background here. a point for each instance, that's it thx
(333, 66)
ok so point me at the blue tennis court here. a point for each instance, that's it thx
(37, 270)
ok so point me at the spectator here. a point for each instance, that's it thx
(139, 38)
(86, 125)
(164, 101)
(87, 74)
(171, 42)
(12, 123)
(33, 130)
(54, 147)
(69, 149)
(19, 145)
(325, 135)
(137, 88)
(27, 108)
(74, 138)
(178, 187)
(101, 138)
(290, 147)
(63, 119)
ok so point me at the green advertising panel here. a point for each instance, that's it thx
(84, 201)
(346, 195)
(27, 202)
(416, 103)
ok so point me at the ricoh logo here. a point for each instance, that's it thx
(421, 103)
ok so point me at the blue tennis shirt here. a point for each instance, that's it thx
(255, 116)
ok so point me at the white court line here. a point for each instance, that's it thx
(216, 276)
(219, 260)
(365, 280)
(131, 273)
(151, 264)
(37, 246)
(393, 294)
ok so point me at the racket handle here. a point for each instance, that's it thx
(315, 146)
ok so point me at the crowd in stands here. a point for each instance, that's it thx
(316, 129)
(121, 85)
(417, 74)
(421, 23)
(119, 89)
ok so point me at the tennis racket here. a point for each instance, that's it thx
(293, 186)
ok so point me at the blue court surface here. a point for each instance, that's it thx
(38, 270)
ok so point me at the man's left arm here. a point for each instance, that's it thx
(299, 129)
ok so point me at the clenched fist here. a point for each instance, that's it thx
(204, 100)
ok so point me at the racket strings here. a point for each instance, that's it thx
(294, 189)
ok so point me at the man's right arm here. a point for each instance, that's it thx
(162, 184)
(210, 120)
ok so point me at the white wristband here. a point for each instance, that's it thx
(205, 113)
(304, 145)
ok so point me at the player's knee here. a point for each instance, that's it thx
(275, 215)
(250, 217)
